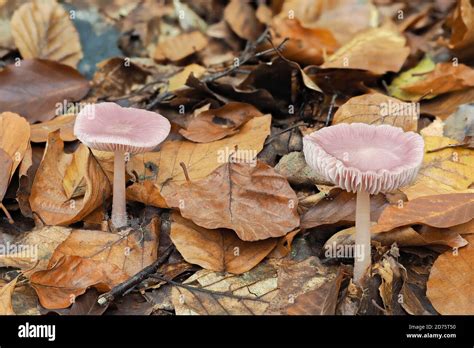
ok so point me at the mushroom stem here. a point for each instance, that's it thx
(119, 208)
(363, 258)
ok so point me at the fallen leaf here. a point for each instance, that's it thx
(224, 294)
(339, 207)
(241, 17)
(254, 201)
(294, 167)
(55, 37)
(403, 236)
(130, 252)
(6, 293)
(58, 287)
(378, 50)
(6, 164)
(34, 248)
(424, 66)
(188, 19)
(378, 109)
(217, 250)
(48, 198)
(14, 139)
(35, 87)
(179, 80)
(65, 124)
(449, 286)
(181, 46)
(162, 167)
(441, 211)
(461, 124)
(448, 170)
(305, 45)
(215, 124)
(445, 105)
(462, 25)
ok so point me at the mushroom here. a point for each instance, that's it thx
(110, 127)
(366, 159)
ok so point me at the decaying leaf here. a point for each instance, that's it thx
(223, 294)
(403, 236)
(181, 46)
(34, 89)
(445, 169)
(6, 164)
(440, 211)
(241, 17)
(163, 167)
(6, 293)
(378, 109)
(48, 198)
(130, 252)
(215, 124)
(14, 139)
(217, 250)
(378, 50)
(339, 207)
(58, 287)
(35, 248)
(305, 45)
(253, 200)
(449, 287)
(462, 25)
(65, 124)
(55, 37)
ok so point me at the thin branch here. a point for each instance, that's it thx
(120, 289)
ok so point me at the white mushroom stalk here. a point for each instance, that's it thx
(365, 159)
(110, 127)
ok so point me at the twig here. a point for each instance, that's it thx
(274, 136)
(185, 171)
(136, 279)
(331, 107)
(9, 217)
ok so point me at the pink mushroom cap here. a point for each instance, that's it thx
(110, 127)
(358, 156)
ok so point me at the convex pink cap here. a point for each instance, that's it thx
(110, 127)
(359, 156)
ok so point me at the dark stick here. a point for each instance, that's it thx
(136, 279)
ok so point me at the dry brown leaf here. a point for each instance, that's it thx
(378, 109)
(162, 167)
(6, 293)
(57, 287)
(462, 25)
(306, 45)
(440, 211)
(130, 252)
(448, 170)
(254, 201)
(6, 164)
(179, 80)
(42, 29)
(450, 285)
(65, 124)
(178, 47)
(321, 301)
(241, 17)
(37, 247)
(217, 250)
(283, 247)
(48, 198)
(378, 50)
(446, 77)
(445, 105)
(462, 229)
(14, 138)
(403, 236)
(226, 294)
(339, 207)
(215, 124)
(35, 87)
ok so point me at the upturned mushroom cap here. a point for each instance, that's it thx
(110, 127)
(359, 156)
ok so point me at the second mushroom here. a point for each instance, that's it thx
(365, 159)
(110, 127)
